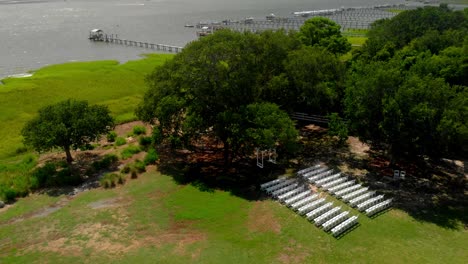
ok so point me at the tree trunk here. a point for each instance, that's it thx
(69, 156)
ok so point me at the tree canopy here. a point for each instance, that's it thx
(323, 32)
(219, 84)
(69, 124)
(407, 86)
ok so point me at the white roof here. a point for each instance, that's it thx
(96, 30)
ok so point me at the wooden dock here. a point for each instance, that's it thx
(114, 39)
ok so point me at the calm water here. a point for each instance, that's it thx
(35, 33)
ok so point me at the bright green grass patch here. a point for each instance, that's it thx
(120, 86)
(357, 41)
(217, 230)
(129, 151)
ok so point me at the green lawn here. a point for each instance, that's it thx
(154, 220)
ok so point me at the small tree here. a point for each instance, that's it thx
(68, 124)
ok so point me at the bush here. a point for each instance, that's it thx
(21, 150)
(134, 174)
(139, 130)
(119, 141)
(105, 163)
(145, 142)
(139, 166)
(151, 157)
(110, 180)
(126, 169)
(7, 194)
(42, 174)
(129, 151)
(111, 136)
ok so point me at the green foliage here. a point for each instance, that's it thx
(139, 166)
(119, 141)
(427, 23)
(145, 142)
(316, 81)
(139, 130)
(225, 72)
(323, 32)
(129, 151)
(151, 157)
(338, 127)
(55, 174)
(67, 124)
(407, 88)
(110, 180)
(106, 162)
(111, 136)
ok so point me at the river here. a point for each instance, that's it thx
(35, 33)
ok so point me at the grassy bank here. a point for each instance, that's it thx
(154, 220)
(101, 82)
(119, 86)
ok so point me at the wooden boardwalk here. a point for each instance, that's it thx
(114, 39)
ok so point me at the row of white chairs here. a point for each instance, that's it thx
(339, 186)
(378, 207)
(303, 171)
(282, 184)
(333, 183)
(310, 206)
(319, 211)
(284, 189)
(345, 225)
(291, 193)
(314, 172)
(271, 183)
(297, 197)
(335, 221)
(354, 194)
(319, 176)
(327, 179)
(368, 203)
(347, 190)
(326, 216)
(301, 202)
(361, 198)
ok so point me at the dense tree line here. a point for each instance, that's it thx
(405, 89)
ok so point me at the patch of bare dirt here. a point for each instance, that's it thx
(357, 147)
(123, 129)
(262, 219)
(294, 253)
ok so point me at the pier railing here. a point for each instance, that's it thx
(114, 39)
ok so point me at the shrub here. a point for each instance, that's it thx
(151, 157)
(139, 130)
(139, 166)
(21, 150)
(119, 141)
(42, 174)
(126, 169)
(145, 142)
(106, 162)
(110, 180)
(7, 194)
(111, 136)
(134, 174)
(129, 151)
